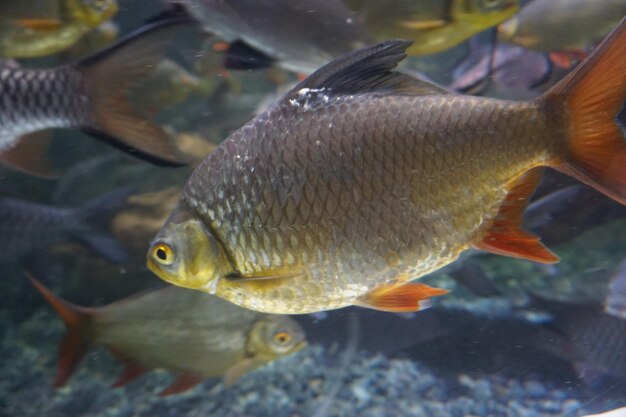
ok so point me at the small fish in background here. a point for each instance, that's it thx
(565, 28)
(509, 71)
(28, 230)
(352, 186)
(56, 26)
(183, 331)
(90, 95)
(297, 35)
(616, 299)
(434, 25)
(592, 340)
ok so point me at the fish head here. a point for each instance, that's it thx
(274, 336)
(483, 14)
(185, 253)
(92, 12)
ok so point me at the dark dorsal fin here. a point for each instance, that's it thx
(369, 69)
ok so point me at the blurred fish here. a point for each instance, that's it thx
(562, 25)
(89, 95)
(28, 229)
(182, 331)
(509, 71)
(595, 342)
(362, 179)
(434, 25)
(169, 84)
(27, 36)
(616, 299)
(298, 35)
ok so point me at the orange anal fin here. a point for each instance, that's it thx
(401, 298)
(42, 25)
(132, 370)
(76, 341)
(182, 383)
(506, 236)
(29, 154)
(567, 59)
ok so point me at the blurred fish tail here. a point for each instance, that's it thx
(108, 77)
(94, 218)
(78, 337)
(593, 95)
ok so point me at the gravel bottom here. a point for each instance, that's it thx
(372, 386)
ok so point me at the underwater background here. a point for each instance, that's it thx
(511, 338)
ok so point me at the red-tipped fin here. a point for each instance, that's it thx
(77, 339)
(182, 383)
(130, 372)
(506, 236)
(403, 298)
(593, 95)
(108, 77)
(29, 154)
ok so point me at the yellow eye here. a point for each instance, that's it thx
(163, 254)
(282, 338)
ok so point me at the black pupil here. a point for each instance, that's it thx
(160, 253)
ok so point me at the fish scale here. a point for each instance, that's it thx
(355, 221)
(40, 99)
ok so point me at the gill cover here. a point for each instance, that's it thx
(185, 253)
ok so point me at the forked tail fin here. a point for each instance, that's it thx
(594, 94)
(108, 77)
(78, 337)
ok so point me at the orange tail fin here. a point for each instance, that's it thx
(77, 339)
(594, 94)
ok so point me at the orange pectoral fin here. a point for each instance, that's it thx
(506, 236)
(42, 25)
(403, 298)
(182, 383)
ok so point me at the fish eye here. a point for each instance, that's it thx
(163, 254)
(281, 338)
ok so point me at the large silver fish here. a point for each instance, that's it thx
(90, 95)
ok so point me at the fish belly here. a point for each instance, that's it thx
(359, 193)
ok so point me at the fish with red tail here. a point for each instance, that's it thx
(363, 179)
(186, 332)
(90, 95)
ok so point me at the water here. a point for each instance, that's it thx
(484, 349)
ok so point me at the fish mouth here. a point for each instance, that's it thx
(300, 346)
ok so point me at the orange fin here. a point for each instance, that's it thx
(506, 236)
(43, 25)
(566, 59)
(29, 154)
(132, 370)
(238, 370)
(182, 383)
(593, 94)
(400, 298)
(77, 339)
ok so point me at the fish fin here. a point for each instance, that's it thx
(400, 298)
(41, 25)
(94, 218)
(241, 56)
(593, 95)
(270, 278)
(131, 371)
(29, 154)
(423, 25)
(235, 372)
(365, 70)
(182, 383)
(506, 236)
(109, 75)
(77, 339)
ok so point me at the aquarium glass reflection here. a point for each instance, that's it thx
(313, 208)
